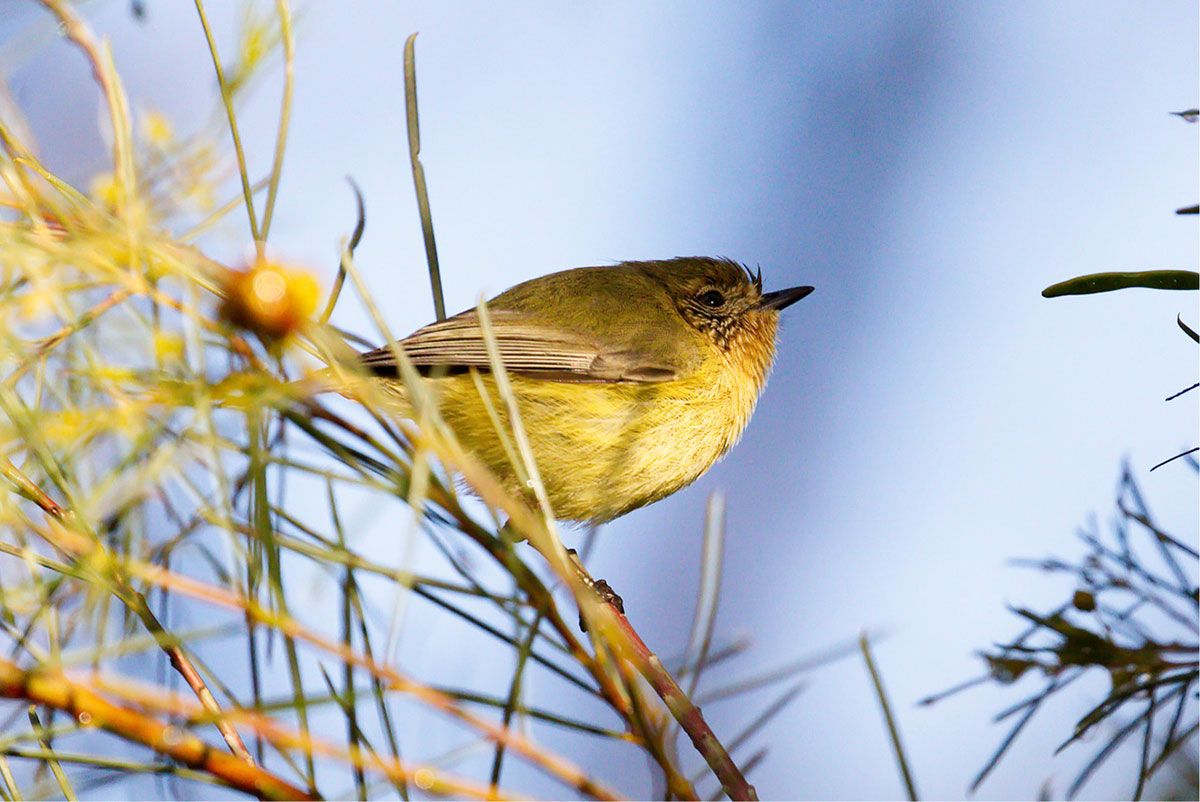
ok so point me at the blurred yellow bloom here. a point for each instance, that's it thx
(128, 418)
(270, 299)
(105, 190)
(168, 346)
(201, 195)
(38, 304)
(65, 427)
(255, 42)
(157, 130)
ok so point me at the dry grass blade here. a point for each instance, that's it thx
(418, 173)
(781, 674)
(227, 99)
(708, 595)
(889, 719)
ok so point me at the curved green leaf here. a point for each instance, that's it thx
(1106, 282)
(1187, 330)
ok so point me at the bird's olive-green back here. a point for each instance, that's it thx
(611, 323)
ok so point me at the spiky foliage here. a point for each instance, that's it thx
(154, 576)
(1133, 616)
(1135, 613)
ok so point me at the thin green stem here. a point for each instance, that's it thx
(227, 99)
(893, 730)
(285, 110)
(52, 760)
(418, 172)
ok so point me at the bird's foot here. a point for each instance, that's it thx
(600, 587)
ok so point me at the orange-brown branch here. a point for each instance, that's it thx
(54, 689)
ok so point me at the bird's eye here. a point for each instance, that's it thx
(712, 298)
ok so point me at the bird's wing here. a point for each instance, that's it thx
(533, 350)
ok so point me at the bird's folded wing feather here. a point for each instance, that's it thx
(533, 350)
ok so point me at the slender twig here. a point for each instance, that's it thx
(55, 767)
(514, 692)
(628, 644)
(55, 690)
(648, 728)
(137, 603)
(772, 710)
(264, 533)
(775, 675)
(1177, 456)
(100, 56)
(1173, 396)
(889, 720)
(540, 715)
(686, 713)
(49, 343)
(111, 764)
(227, 99)
(427, 777)
(10, 782)
(285, 111)
(398, 681)
(353, 606)
(340, 279)
(705, 615)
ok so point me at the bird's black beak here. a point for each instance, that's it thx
(783, 298)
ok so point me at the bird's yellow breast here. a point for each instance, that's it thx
(604, 449)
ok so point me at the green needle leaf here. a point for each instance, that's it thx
(1107, 282)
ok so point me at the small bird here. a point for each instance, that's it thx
(631, 379)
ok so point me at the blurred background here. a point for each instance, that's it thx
(929, 168)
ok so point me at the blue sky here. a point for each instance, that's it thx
(929, 168)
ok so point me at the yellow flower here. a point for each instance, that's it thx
(106, 190)
(270, 299)
(156, 130)
(168, 346)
